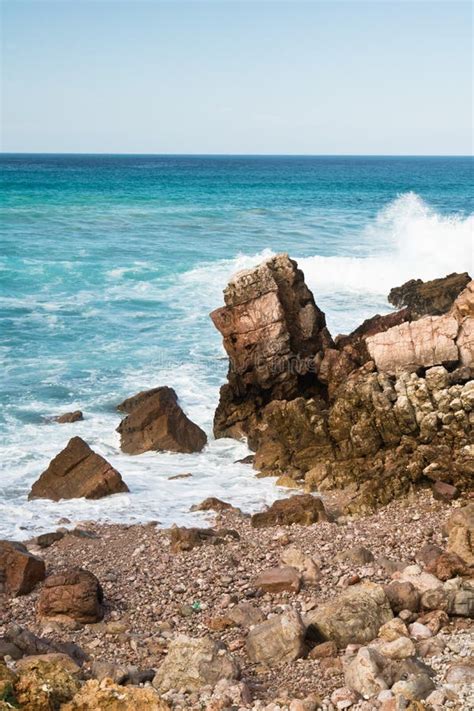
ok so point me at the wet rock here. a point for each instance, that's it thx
(192, 663)
(77, 472)
(20, 571)
(354, 617)
(213, 504)
(278, 639)
(303, 509)
(433, 297)
(156, 422)
(106, 695)
(74, 593)
(185, 539)
(276, 580)
(69, 417)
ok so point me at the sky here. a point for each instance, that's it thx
(251, 77)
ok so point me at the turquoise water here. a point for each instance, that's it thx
(111, 264)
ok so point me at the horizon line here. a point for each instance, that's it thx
(242, 155)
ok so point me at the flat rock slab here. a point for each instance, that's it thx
(276, 580)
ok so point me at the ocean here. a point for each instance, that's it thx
(110, 265)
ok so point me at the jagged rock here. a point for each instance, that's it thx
(272, 332)
(106, 695)
(276, 580)
(74, 593)
(433, 297)
(19, 642)
(77, 471)
(185, 539)
(447, 565)
(365, 673)
(456, 597)
(44, 685)
(213, 504)
(69, 417)
(303, 509)
(20, 570)
(393, 629)
(400, 648)
(278, 639)
(156, 422)
(354, 617)
(460, 529)
(192, 663)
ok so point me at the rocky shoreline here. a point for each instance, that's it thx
(356, 591)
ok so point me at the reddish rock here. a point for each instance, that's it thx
(68, 417)
(433, 297)
(324, 650)
(185, 539)
(276, 580)
(157, 423)
(213, 504)
(20, 571)
(77, 472)
(74, 593)
(303, 509)
(402, 596)
(444, 492)
(447, 566)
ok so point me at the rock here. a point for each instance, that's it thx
(44, 685)
(303, 509)
(276, 580)
(447, 565)
(272, 332)
(420, 580)
(7, 682)
(278, 639)
(354, 617)
(393, 629)
(460, 529)
(213, 504)
(461, 673)
(460, 597)
(106, 695)
(185, 539)
(192, 663)
(157, 423)
(344, 698)
(245, 615)
(419, 631)
(416, 687)
(74, 593)
(433, 297)
(400, 648)
(45, 540)
(365, 673)
(59, 659)
(434, 620)
(323, 650)
(19, 569)
(444, 492)
(358, 555)
(69, 417)
(304, 564)
(20, 642)
(428, 553)
(402, 596)
(77, 472)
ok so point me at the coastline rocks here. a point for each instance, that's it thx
(354, 617)
(156, 422)
(77, 471)
(272, 331)
(302, 509)
(74, 593)
(185, 539)
(69, 417)
(192, 663)
(276, 580)
(431, 298)
(44, 685)
(278, 639)
(20, 570)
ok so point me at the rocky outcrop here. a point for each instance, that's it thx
(382, 410)
(431, 298)
(273, 334)
(156, 422)
(20, 570)
(74, 593)
(77, 472)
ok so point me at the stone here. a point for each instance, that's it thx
(302, 509)
(444, 492)
(461, 673)
(419, 631)
(245, 615)
(400, 648)
(447, 565)
(44, 685)
(422, 581)
(393, 629)
(20, 570)
(414, 688)
(358, 555)
(365, 673)
(45, 540)
(433, 297)
(74, 593)
(185, 539)
(156, 422)
(354, 617)
(106, 695)
(305, 564)
(277, 580)
(69, 417)
(278, 639)
(434, 620)
(402, 596)
(192, 663)
(56, 658)
(20, 642)
(323, 650)
(76, 472)
(460, 529)
(213, 504)
(344, 698)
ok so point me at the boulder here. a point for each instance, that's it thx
(460, 530)
(192, 663)
(402, 596)
(278, 639)
(20, 570)
(447, 565)
(185, 539)
(354, 617)
(302, 509)
(245, 615)
(461, 674)
(433, 297)
(74, 593)
(45, 684)
(156, 422)
(106, 695)
(365, 673)
(76, 472)
(69, 417)
(444, 492)
(277, 580)
(212, 503)
(304, 564)
(18, 642)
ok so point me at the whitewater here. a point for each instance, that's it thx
(79, 315)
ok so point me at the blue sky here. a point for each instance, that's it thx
(304, 77)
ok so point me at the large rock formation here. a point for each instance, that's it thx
(156, 422)
(385, 408)
(77, 472)
(74, 593)
(429, 297)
